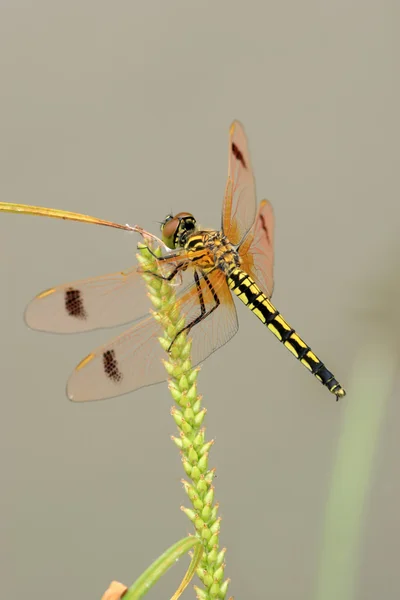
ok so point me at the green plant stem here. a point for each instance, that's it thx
(346, 515)
(188, 414)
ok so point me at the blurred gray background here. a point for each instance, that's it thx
(122, 110)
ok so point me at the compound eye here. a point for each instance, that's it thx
(169, 229)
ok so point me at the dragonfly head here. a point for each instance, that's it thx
(175, 229)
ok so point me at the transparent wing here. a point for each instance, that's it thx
(257, 249)
(95, 303)
(133, 359)
(239, 208)
(104, 301)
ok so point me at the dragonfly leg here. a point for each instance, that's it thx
(203, 313)
(169, 256)
(170, 277)
(180, 267)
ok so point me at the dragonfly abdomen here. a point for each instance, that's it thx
(250, 294)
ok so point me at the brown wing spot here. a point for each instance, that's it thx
(111, 366)
(74, 304)
(263, 225)
(237, 154)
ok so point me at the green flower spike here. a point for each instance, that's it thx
(188, 415)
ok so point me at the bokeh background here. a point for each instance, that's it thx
(122, 110)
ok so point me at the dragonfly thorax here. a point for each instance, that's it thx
(210, 249)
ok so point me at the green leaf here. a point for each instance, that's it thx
(194, 563)
(165, 562)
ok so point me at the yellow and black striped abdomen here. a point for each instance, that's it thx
(251, 295)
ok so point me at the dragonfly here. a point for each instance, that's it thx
(216, 264)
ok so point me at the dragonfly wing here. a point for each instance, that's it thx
(94, 303)
(239, 208)
(257, 249)
(128, 362)
(133, 359)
